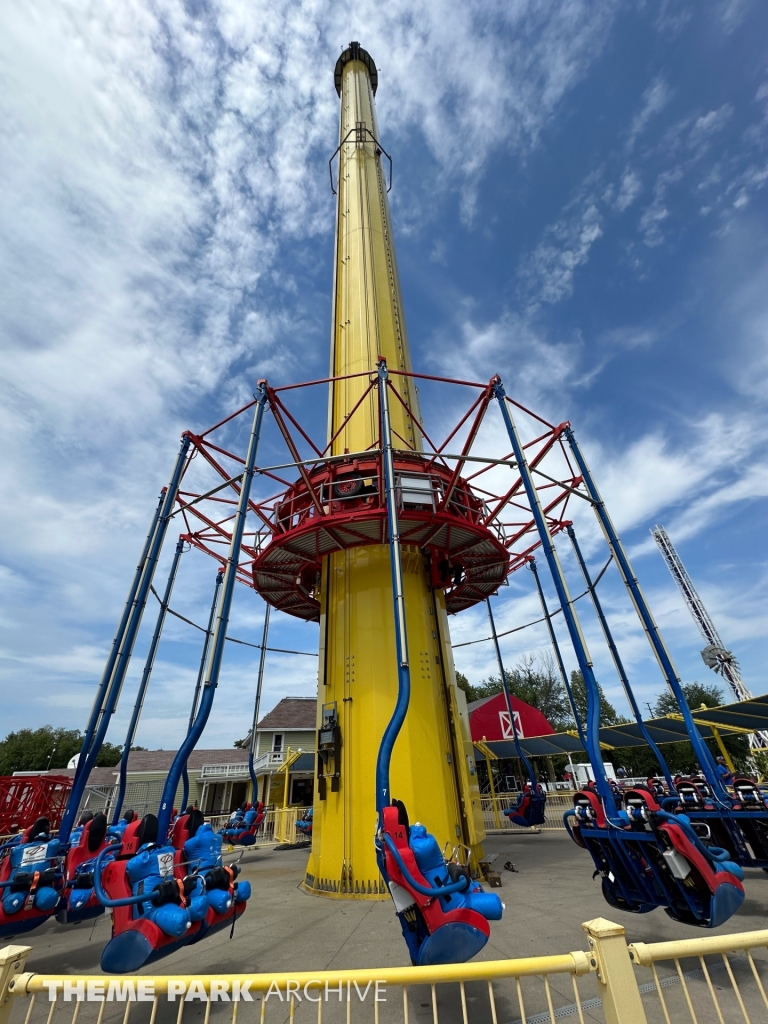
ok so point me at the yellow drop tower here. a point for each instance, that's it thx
(433, 768)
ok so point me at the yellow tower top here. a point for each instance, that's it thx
(368, 317)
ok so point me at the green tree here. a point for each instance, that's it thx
(464, 684)
(34, 750)
(680, 756)
(110, 754)
(608, 713)
(538, 683)
(696, 694)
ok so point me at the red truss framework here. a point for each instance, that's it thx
(465, 511)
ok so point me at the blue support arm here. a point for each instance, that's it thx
(256, 705)
(395, 723)
(98, 704)
(145, 677)
(592, 732)
(658, 646)
(122, 660)
(199, 682)
(617, 659)
(558, 654)
(508, 697)
(222, 620)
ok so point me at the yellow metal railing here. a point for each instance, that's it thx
(494, 991)
(493, 808)
(720, 979)
(279, 826)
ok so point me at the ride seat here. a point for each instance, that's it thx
(723, 884)
(692, 796)
(589, 809)
(749, 794)
(171, 914)
(437, 930)
(80, 861)
(202, 852)
(145, 867)
(530, 808)
(30, 875)
(243, 833)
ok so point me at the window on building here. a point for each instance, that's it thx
(277, 742)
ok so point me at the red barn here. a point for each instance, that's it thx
(489, 719)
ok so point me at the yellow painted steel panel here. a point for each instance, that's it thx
(433, 768)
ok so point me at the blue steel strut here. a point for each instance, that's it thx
(592, 732)
(199, 682)
(398, 598)
(222, 620)
(617, 660)
(508, 698)
(98, 704)
(558, 654)
(145, 677)
(658, 646)
(100, 718)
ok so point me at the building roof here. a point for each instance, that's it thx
(489, 718)
(290, 714)
(160, 761)
(741, 716)
(303, 763)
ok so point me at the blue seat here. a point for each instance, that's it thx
(530, 809)
(448, 929)
(31, 880)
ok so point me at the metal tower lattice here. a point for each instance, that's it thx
(715, 655)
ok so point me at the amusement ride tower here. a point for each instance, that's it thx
(433, 765)
(378, 536)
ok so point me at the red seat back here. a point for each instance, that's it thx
(589, 796)
(179, 832)
(92, 841)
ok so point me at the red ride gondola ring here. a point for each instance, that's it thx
(340, 505)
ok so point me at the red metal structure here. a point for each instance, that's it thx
(25, 798)
(467, 511)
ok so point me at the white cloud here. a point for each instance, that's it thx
(655, 214)
(161, 160)
(709, 124)
(655, 98)
(744, 185)
(709, 466)
(630, 188)
(673, 16)
(566, 246)
(732, 13)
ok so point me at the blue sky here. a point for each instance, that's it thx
(579, 205)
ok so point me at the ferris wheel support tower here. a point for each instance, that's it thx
(715, 655)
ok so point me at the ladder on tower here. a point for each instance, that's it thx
(715, 655)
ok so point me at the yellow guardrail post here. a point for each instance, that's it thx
(12, 961)
(622, 1003)
(723, 748)
(287, 776)
(489, 757)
